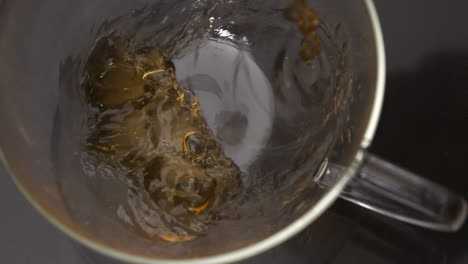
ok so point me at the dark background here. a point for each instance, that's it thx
(424, 127)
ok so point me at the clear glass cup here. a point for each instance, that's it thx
(298, 130)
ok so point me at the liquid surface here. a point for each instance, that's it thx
(151, 127)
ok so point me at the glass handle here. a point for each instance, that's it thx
(397, 193)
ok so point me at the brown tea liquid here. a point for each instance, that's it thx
(148, 124)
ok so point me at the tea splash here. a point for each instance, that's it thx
(149, 125)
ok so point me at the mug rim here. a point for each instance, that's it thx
(279, 237)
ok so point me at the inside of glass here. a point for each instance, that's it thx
(284, 116)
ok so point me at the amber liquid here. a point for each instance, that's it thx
(149, 125)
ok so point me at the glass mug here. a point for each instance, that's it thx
(301, 127)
